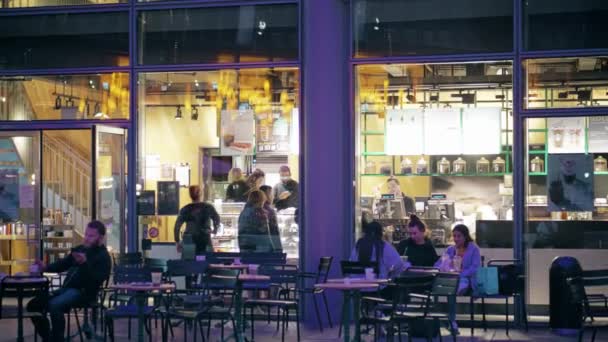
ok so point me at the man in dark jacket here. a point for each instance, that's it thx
(88, 266)
(285, 193)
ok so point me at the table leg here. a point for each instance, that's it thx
(19, 318)
(140, 300)
(238, 312)
(346, 316)
(356, 295)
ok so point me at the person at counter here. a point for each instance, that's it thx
(372, 248)
(395, 188)
(198, 217)
(463, 257)
(272, 218)
(235, 192)
(286, 192)
(254, 181)
(254, 225)
(418, 247)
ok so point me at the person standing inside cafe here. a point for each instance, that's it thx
(254, 225)
(237, 188)
(198, 217)
(285, 193)
(88, 266)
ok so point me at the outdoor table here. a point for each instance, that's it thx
(24, 286)
(242, 267)
(141, 290)
(351, 291)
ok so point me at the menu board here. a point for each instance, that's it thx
(404, 132)
(237, 135)
(168, 197)
(597, 134)
(566, 135)
(481, 131)
(146, 203)
(442, 131)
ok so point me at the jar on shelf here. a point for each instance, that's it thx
(600, 164)
(422, 166)
(482, 165)
(459, 166)
(443, 166)
(537, 165)
(407, 166)
(498, 165)
(386, 168)
(370, 167)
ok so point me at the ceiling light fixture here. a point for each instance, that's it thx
(178, 113)
(3, 99)
(194, 114)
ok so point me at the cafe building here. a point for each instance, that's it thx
(490, 113)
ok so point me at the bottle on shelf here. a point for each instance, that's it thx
(459, 166)
(443, 166)
(600, 164)
(537, 165)
(407, 166)
(386, 168)
(483, 165)
(498, 165)
(370, 167)
(422, 166)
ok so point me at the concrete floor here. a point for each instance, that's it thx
(266, 333)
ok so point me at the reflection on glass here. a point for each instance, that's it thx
(219, 35)
(185, 117)
(42, 3)
(400, 27)
(551, 24)
(566, 82)
(65, 97)
(64, 40)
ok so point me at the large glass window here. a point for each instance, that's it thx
(40, 3)
(219, 35)
(64, 40)
(567, 191)
(565, 24)
(435, 140)
(65, 97)
(197, 126)
(412, 27)
(566, 82)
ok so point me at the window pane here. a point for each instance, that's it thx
(64, 40)
(40, 3)
(412, 27)
(219, 35)
(437, 129)
(99, 96)
(565, 24)
(204, 122)
(567, 82)
(566, 191)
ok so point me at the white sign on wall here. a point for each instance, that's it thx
(481, 131)
(442, 133)
(404, 134)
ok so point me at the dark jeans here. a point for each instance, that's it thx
(202, 242)
(57, 304)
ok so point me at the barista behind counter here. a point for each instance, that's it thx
(394, 187)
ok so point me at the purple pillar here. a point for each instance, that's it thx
(327, 148)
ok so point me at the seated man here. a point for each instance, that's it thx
(88, 266)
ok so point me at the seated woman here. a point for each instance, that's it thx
(372, 248)
(418, 248)
(464, 257)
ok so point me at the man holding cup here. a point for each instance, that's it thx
(88, 266)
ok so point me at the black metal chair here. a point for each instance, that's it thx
(134, 259)
(511, 283)
(285, 279)
(222, 283)
(356, 268)
(581, 302)
(317, 278)
(21, 289)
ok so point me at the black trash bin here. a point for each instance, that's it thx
(565, 318)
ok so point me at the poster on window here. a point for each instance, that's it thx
(9, 194)
(566, 135)
(237, 132)
(597, 134)
(442, 132)
(570, 182)
(168, 198)
(404, 132)
(481, 131)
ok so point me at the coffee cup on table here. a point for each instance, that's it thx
(369, 273)
(237, 261)
(157, 277)
(253, 269)
(34, 269)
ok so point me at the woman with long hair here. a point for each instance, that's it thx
(255, 181)
(254, 225)
(418, 247)
(237, 188)
(372, 248)
(272, 219)
(198, 216)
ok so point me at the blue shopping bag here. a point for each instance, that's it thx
(487, 281)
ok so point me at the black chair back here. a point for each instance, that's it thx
(127, 274)
(129, 259)
(324, 268)
(578, 296)
(264, 258)
(411, 282)
(156, 265)
(511, 279)
(445, 284)
(356, 267)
